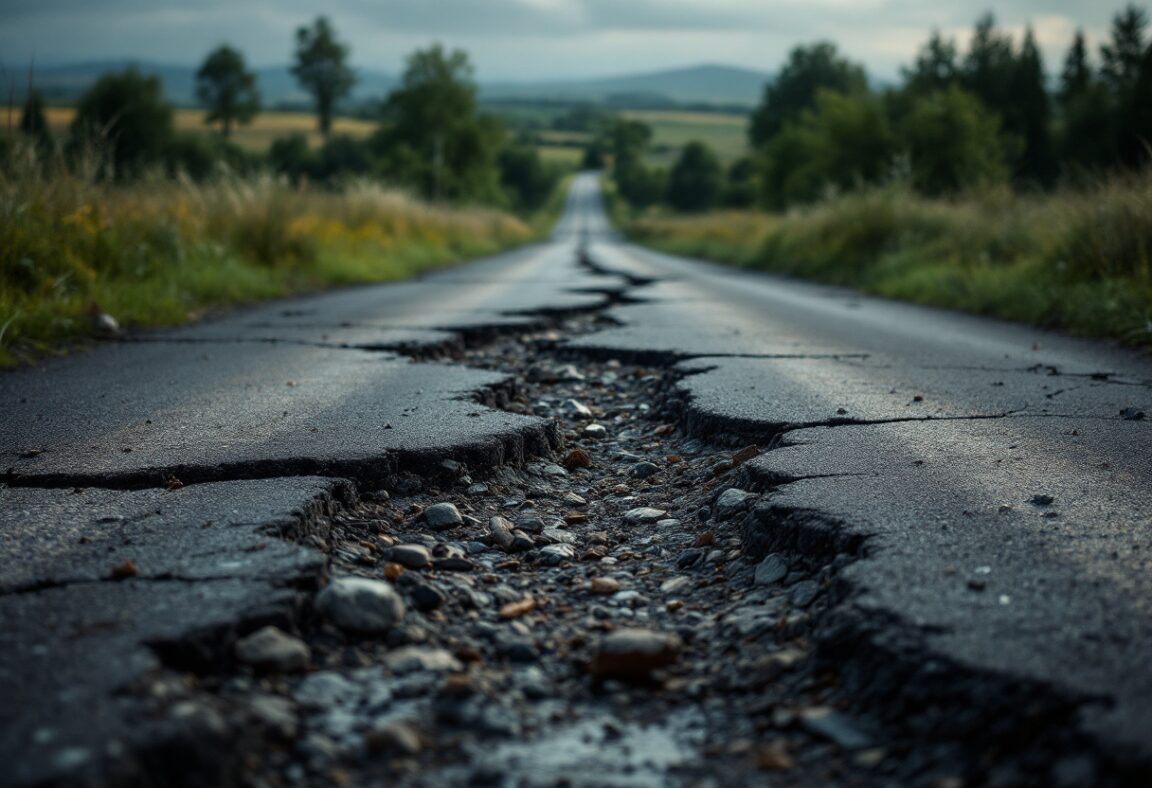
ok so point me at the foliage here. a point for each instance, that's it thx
(842, 141)
(435, 138)
(155, 252)
(1077, 260)
(742, 189)
(809, 70)
(696, 180)
(526, 178)
(322, 69)
(227, 89)
(124, 115)
(953, 144)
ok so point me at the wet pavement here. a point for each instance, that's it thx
(581, 514)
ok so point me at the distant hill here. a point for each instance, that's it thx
(277, 85)
(698, 85)
(706, 84)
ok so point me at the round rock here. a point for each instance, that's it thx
(273, 650)
(634, 653)
(360, 605)
(442, 516)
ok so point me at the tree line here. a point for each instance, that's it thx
(957, 121)
(432, 137)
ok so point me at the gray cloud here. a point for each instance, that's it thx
(521, 38)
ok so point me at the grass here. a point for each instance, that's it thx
(1076, 260)
(162, 252)
(726, 135)
(256, 136)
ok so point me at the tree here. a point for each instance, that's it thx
(528, 181)
(227, 89)
(936, 66)
(435, 137)
(953, 143)
(322, 70)
(33, 123)
(639, 185)
(794, 90)
(1032, 116)
(1087, 137)
(696, 180)
(1076, 78)
(1126, 71)
(841, 142)
(743, 186)
(126, 114)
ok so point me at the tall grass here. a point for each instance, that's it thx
(161, 251)
(1076, 260)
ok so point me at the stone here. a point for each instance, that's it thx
(676, 584)
(411, 556)
(771, 570)
(577, 458)
(572, 499)
(671, 522)
(642, 470)
(426, 597)
(323, 690)
(569, 374)
(442, 516)
(576, 410)
(410, 659)
(521, 542)
(689, 558)
(397, 738)
(556, 554)
(731, 502)
(644, 514)
(360, 605)
(500, 530)
(634, 653)
(804, 593)
(595, 432)
(835, 727)
(604, 585)
(271, 649)
(276, 714)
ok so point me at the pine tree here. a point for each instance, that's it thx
(1032, 115)
(1087, 139)
(1124, 71)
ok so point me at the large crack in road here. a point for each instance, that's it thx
(820, 570)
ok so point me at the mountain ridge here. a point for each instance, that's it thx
(706, 83)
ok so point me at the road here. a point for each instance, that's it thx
(968, 501)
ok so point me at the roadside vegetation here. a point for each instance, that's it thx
(969, 186)
(127, 215)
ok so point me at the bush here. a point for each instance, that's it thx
(126, 117)
(696, 179)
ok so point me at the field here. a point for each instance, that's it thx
(257, 136)
(727, 135)
(1075, 260)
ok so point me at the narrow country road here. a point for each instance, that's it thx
(624, 518)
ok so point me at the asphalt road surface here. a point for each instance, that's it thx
(981, 492)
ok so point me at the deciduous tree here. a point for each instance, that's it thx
(322, 69)
(227, 89)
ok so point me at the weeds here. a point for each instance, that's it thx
(161, 251)
(1076, 260)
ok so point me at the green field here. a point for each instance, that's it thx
(727, 135)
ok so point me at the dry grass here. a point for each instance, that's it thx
(256, 136)
(160, 251)
(1077, 260)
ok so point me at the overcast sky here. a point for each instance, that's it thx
(527, 39)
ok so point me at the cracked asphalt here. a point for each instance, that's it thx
(967, 502)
